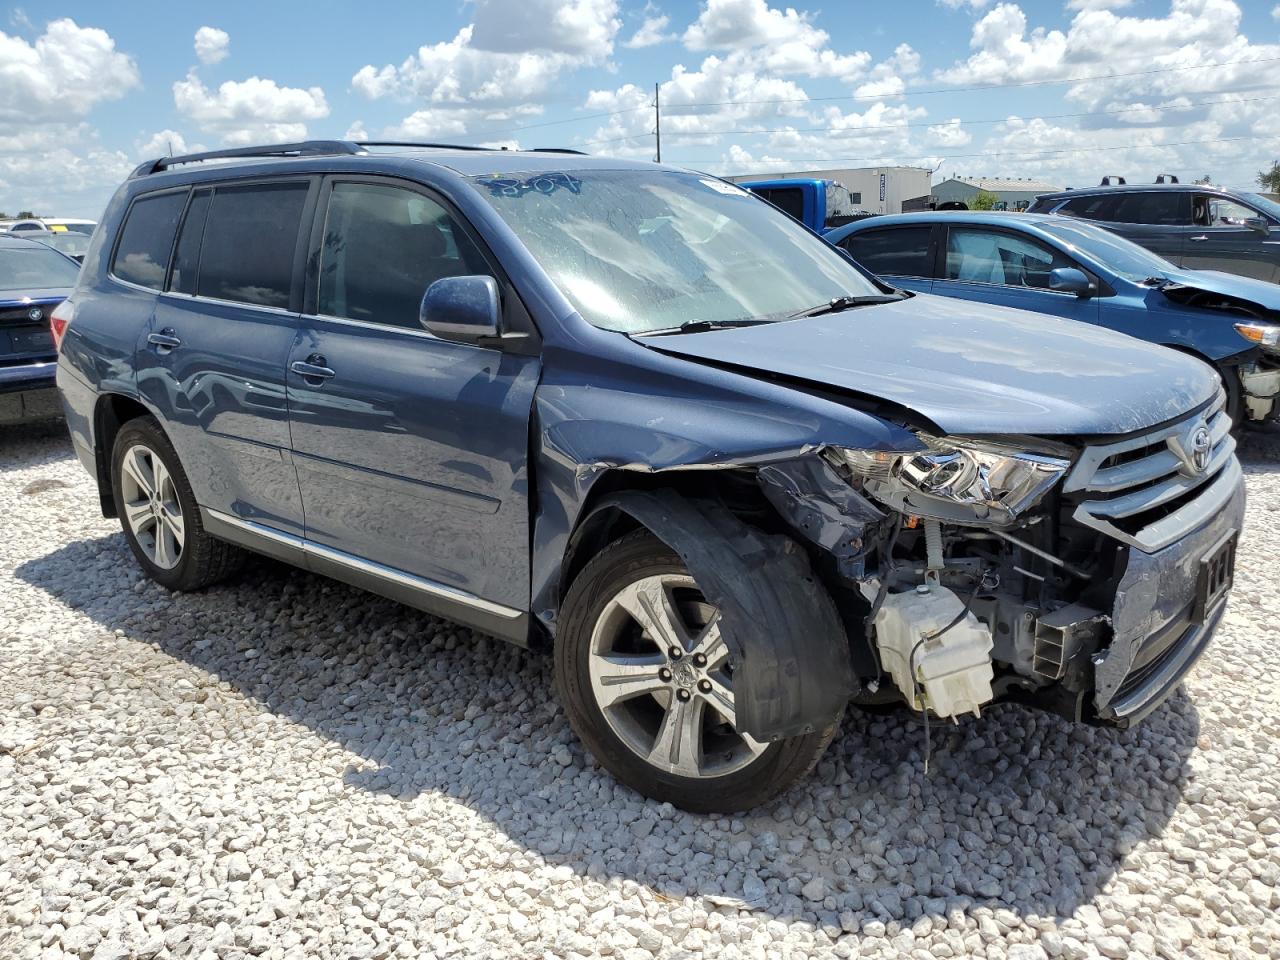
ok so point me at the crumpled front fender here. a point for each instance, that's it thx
(792, 671)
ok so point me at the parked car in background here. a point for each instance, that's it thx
(1080, 271)
(70, 225)
(73, 243)
(33, 281)
(637, 413)
(23, 226)
(821, 205)
(1192, 225)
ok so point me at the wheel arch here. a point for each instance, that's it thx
(111, 412)
(779, 619)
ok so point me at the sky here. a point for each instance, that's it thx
(1062, 92)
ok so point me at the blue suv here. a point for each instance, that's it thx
(640, 415)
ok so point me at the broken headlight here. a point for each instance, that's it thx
(959, 481)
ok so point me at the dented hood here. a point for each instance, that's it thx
(970, 368)
(1260, 292)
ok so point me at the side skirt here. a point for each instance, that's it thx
(451, 603)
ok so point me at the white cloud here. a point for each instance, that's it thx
(60, 77)
(948, 135)
(576, 28)
(888, 78)
(1275, 12)
(356, 132)
(212, 45)
(165, 143)
(736, 24)
(971, 4)
(1097, 4)
(246, 111)
(652, 32)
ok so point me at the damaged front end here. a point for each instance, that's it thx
(1085, 579)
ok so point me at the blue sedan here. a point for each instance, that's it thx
(1080, 271)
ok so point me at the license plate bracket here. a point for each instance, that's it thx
(1216, 574)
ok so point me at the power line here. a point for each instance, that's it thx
(855, 131)
(999, 153)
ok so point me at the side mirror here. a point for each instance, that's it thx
(464, 309)
(1071, 280)
(1258, 225)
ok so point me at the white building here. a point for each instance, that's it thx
(874, 189)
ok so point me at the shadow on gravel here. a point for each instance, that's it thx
(1020, 810)
(1259, 447)
(43, 442)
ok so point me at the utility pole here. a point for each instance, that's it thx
(657, 122)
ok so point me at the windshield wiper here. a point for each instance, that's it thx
(702, 326)
(837, 304)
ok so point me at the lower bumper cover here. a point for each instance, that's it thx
(1158, 634)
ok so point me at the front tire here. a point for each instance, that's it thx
(647, 683)
(158, 512)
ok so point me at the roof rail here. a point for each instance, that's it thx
(305, 148)
(310, 148)
(1108, 180)
(1166, 178)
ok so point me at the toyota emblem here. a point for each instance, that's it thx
(1201, 449)
(35, 314)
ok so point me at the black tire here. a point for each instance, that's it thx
(203, 560)
(636, 556)
(1235, 395)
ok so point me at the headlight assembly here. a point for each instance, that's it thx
(958, 481)
(1265, 335)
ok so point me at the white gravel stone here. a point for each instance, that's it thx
(287, 768)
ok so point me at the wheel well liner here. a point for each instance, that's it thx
(112, 412)
(792, 668)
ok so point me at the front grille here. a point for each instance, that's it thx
(1148, 491)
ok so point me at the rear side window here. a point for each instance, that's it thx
(383, 246)
(186, 257)
(901, 251)
(250, 238)
(1155, 207)
(142, 255)
(1099, 207)
(787, 199)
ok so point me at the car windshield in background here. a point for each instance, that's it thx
(34, 267)
(1125, 257)
(1265, 204)
(638, 251)
(72, 244)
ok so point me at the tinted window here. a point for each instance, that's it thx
(985, 256)
(186, 257)
(33, 267)
(899, 250)
(142, 255)
(787, 199)
(1168, 208)
(383, 246)
(1097, 207)
(249, 243)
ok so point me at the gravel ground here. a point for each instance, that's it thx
(285, 767)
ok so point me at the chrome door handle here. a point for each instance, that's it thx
(164, 340)
(313, 368)
(1199, 239)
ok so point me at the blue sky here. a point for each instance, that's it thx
(1061, 92)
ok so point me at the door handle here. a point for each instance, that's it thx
(313, 368)
(165, 340)
(1199, 239)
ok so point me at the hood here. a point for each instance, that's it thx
(1259, 292)
(970, 368)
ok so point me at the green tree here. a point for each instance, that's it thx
(985, 200)
(1206, 179)
(1269, 180)
(26, 215)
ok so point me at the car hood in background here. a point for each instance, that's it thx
(970, 368)
(1260, 292)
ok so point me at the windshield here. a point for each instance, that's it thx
(1265, 204)
(1122, 256)
(34, 267)
(639, 250)
(72, 244)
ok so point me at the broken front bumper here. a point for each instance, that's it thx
(1166, 610)
(1261, 391)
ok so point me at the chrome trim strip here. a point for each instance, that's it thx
(368, 566)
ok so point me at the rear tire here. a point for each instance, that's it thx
(669, 734)
(158, 512)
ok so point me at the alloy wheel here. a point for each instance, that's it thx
(151, 506)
